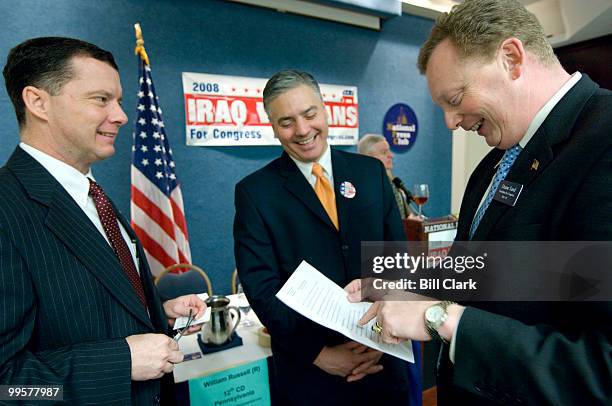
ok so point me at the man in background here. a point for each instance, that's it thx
(376, 146)
(316, 204)
(79, 308)
(491, 69)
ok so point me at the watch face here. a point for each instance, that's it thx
(434, 314)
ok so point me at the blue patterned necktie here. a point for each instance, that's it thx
(502, 171)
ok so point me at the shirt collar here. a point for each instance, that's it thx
(547, 108)
(325, 161)
(73, 181)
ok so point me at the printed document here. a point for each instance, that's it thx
(315, 296)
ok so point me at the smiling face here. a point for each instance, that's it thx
(477, 95)
(299, 122)
(85, 116)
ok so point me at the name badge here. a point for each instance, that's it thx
(508, 193)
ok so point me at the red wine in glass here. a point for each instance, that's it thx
(420, 200)
(420, 194)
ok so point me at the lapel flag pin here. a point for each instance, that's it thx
(535, 164)
(347, 190)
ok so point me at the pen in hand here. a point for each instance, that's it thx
(190, 319)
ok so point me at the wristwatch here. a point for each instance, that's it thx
(435, 315)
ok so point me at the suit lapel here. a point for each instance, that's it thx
(157, 315)
(476, 188)
(543, 147)
(520, 173)
(71, 225)
(341, 174)
(298, 186)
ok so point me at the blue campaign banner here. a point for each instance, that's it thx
(400, 127)
(246, 384)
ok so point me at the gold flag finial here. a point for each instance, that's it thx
(140, 49)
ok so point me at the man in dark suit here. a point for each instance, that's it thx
(79, 308)
(489, 66)
(287, 212)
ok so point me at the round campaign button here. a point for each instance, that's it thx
(347, 190)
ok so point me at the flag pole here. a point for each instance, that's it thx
(140, 49)
(155, 188)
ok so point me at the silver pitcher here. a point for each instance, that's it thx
(223, 320)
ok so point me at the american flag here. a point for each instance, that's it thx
(156, 206)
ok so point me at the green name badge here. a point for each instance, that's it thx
(246, 384)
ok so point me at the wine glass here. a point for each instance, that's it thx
(420, 194)
(244, 307)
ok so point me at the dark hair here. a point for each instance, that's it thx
(285, 80)
(45, 63)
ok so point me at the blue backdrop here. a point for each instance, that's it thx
(234, 39)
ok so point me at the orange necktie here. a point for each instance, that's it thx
(325, 193)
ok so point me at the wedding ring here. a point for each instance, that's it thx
(377, 328)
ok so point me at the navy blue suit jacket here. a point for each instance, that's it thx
(542, 352)
(280, 222)
(67, 305)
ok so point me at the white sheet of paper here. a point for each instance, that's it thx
(315, 296)
(181, 322)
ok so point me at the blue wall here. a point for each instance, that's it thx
(233, 39)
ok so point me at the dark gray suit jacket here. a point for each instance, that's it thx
(66, 305)
(542, 353)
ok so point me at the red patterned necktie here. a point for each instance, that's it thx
(108, 218)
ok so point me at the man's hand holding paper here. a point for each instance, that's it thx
(315, 296)
(386, 310)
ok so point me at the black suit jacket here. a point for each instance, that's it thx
(542, 353)
(280, 222)
(66, 304)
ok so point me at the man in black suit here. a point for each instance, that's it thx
(489, 66)
(79, 308)
(287, 212)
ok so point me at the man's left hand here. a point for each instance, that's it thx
(181, 306)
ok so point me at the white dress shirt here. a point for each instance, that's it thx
(77, 186)
(324, 161)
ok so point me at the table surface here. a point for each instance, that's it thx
(248, 352)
